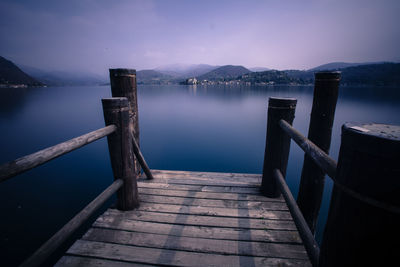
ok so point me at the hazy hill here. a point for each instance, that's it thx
(270, 76)
(259, 69)
(384, 74)
(227, 72)
(12, 75)
(64, 78)
(341, 65)
(152, 77)
(387, 74)
(185, 71)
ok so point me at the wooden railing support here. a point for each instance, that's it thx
(358, 233)
(320, 131)
(277, 143)
(327, 164)
(116, 111)
(123, 84)
(141, 159)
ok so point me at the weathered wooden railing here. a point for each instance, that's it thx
(364, 213)
(124, 151)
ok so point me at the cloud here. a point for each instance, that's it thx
(144, 34)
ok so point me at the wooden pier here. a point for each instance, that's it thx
(194, 219)
(185, 218)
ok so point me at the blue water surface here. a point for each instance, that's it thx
(199, 128)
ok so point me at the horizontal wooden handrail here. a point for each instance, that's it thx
(28, 162)
(140, 158)
(326, 163)
(306, 235)
(57, 239)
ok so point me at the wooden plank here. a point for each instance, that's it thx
(215, 182)
(231, 189)
(207, 174)
(212, 211)
(195, 201)
(155, 183)
(227, 178)
(76, 261)
(208, 195)
(226, 247)
(171, 257)
(276, 236)
(28, 162)
(204, 188)
(245, 223)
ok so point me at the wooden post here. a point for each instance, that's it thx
(116, 111)
(319, 132)
(277, 143)
(123, 84)
(358, 233)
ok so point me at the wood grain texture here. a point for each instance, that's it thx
(123, 84)
(210, 232)
(323, 160)
(245, 223)
(121, 155)
(172, 257)
(212, 211)
(217, 203)
(199, 194)
(368, 165)
(217, 246)
(76, 261)
(312, 180)
(309, 241)
(277, 143)
(205, 221)
(140, 158)
(204, 188)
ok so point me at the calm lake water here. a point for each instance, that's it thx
(210, 128)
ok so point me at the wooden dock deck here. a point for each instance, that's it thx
(194, 219)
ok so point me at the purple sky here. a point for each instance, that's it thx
(94, 35)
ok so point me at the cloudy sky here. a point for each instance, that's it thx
(93, 36)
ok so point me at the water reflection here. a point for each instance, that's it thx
(201, 128)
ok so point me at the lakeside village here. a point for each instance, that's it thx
(194, 81)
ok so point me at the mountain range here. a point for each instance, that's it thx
(64, 78)
(378, 73)
(11, 75)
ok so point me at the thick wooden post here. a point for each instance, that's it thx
(277, 143)
(116, 111)
(123, 84)
(359, 233)
(319, 132)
